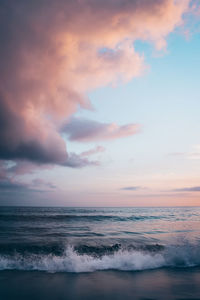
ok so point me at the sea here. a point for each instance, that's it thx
(59, 239)
(35, 241)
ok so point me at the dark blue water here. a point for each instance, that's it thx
(89, 239)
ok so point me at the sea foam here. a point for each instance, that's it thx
(124, 260)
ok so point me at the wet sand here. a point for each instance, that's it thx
(152, 284)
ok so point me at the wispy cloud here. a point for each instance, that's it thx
(131, 188)
(38, 182)
(78, 161)
(194, 154)
(93, 151)
(188, 189)
(84, 130)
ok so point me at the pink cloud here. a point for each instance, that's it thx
(54, 52)
(84, 130)
(93, 151)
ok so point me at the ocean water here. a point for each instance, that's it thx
(57, 239)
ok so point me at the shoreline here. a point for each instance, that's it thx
(165, 283)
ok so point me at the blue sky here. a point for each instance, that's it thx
(165, 101)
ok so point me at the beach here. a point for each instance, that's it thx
(152, 284)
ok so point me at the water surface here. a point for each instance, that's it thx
(88, 239)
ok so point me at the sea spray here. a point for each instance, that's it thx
(123, 260)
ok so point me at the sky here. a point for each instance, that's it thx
(100, 102)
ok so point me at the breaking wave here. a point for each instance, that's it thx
(72, 260)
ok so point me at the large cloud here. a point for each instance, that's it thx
(53, 52)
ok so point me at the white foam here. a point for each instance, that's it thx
(73, 262)
(124, 260)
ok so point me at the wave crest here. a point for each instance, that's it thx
(125, 260)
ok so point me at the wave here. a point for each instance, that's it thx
(59, 248)
(122, 259)
(69, 217)
(102, 250)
